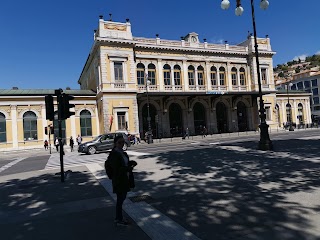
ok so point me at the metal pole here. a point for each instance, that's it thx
(148, 119)
(60, 136)
(265, 142)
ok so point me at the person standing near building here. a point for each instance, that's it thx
(122, 176)
(46, 144)
(71, 143)
(79, 140)
(56, 143)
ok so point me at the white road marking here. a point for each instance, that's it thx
(10, 164)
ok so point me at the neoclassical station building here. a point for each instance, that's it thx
(187, 83)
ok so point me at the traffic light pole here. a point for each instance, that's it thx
(58, 94)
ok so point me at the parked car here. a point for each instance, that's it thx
(103, 142)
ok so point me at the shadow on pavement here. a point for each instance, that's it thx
(233, 191)
(41, 207)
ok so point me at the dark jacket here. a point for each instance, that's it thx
(120, 179)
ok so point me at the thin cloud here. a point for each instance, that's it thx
(217, 41)
(318, 53)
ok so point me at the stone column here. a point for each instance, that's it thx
(14, 119)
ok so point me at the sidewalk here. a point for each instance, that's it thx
(38, 206)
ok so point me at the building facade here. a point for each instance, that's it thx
(181, 84)
(306, 81)
(23, 118)
(187, 83)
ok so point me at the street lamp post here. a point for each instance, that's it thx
(265, 142)
(149, 134)
(289, 107)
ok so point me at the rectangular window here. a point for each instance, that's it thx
(263, 75)
(306, 84)
(315, 91)
(300, 85)
(213, 76)
(200, 79)
(140, 77)
(314, 82)
(121, 120)
(268, 113)
(234, 78)
(118, 71)
(191, 78)
(222, 78)
(242, 79)
(152, 77)
(177, 78)
(315, 100)
(166, 77)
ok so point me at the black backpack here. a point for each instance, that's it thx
(108, 168)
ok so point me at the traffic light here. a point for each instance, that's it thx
(51, 130)
(46, 130)
(64, 106)
(49, 107)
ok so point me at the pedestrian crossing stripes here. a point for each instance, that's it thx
(10, 164)
(74, 159)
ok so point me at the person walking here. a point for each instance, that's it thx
(45, 144)
(79, 140)
(71, 143)
(205, 132)
(56, 143)
(122, 176)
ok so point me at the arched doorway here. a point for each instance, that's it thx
(222, 118)
(199, 116)
(242, 117)
(145, 124)
(175, 116)
(56, 127)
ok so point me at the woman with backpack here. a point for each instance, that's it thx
(119, 169)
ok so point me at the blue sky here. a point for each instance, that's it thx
(45, 43)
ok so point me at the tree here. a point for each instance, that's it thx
(297, 70)
(281, 74)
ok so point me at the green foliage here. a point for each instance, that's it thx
(281, 74)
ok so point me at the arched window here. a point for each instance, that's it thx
(242, 77)
(30, 131)
(234, 76)
(213, 75)
(166, 74)
(288, 112)
(152, 74)
(200, 76)
(191, 75)
(85, 123)
(140, 74)
(300, 113)
(222, 76)
(177, 75)
(3, 131)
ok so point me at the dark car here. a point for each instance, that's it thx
(103, 142)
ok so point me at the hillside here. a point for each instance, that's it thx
(297, 66)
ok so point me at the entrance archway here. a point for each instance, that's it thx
(153, 113)
(175, 116)
(222, 117)
(199, 116)
(242, 117)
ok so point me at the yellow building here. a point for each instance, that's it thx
(189, 85)
(23, 118)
